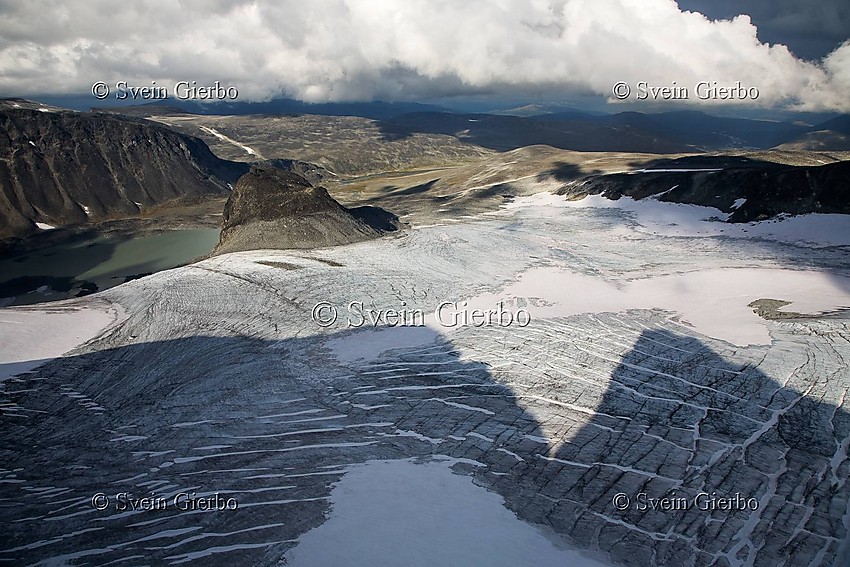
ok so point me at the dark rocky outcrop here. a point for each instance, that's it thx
(278, 209)
(769, 189)
(62, 167)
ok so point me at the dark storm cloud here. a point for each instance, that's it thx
(332, 50)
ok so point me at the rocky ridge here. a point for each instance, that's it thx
(747, 190)
(277, 209)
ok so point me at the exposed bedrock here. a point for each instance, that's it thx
(64, 168)
(747, 189)
(277, 209)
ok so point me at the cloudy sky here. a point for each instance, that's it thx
(796, 54)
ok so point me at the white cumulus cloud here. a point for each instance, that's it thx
(335, 50)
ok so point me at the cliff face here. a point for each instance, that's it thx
(278, 209)
(748, 191)
(61, 167)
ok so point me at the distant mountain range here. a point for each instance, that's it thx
(698, 129)
(503, 133)
(668, 132)
(376, 110)
(559, 126)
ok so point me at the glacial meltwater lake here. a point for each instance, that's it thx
(94, 263)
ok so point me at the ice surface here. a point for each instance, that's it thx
(675, 219)
(629, 378)
(716, 302)
(224, 138)
(402, 513)
(30, 337)
(370, 343)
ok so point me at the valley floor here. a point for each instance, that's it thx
(642, 373)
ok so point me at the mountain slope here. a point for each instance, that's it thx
(819, 140)
(60, 168)
(832, 135)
